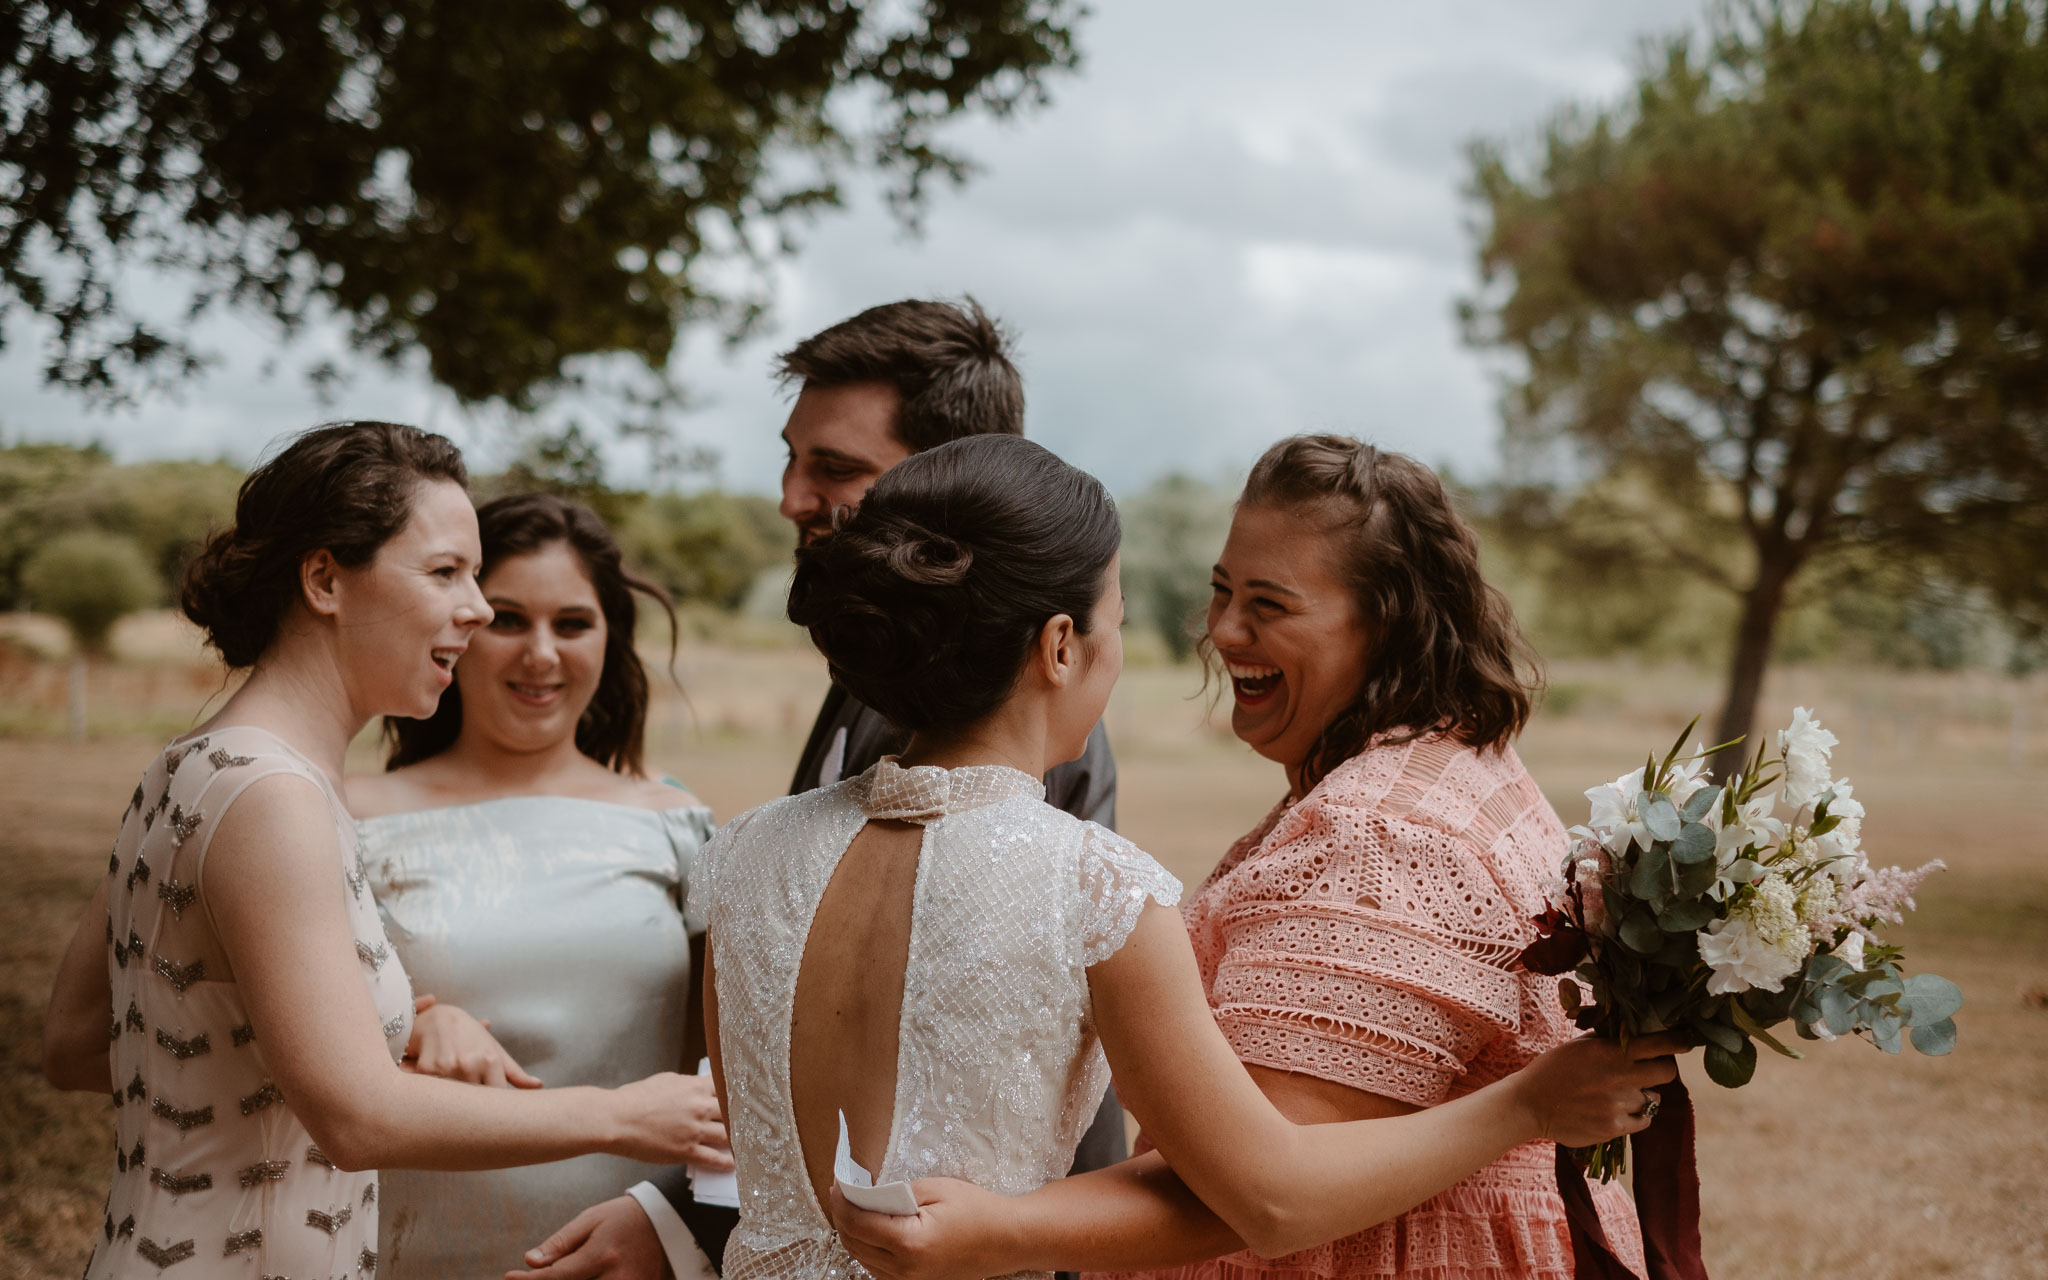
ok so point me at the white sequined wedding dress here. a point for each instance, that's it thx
(999, 1069)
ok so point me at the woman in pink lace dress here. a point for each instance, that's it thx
(1359, 946)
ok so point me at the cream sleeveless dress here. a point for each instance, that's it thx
(998, 1069)
(214, 1174)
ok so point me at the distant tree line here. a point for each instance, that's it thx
(136, 524)
(113, 537)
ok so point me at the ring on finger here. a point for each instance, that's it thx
(1652, 1100)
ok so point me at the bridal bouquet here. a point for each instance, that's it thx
(1722, 911)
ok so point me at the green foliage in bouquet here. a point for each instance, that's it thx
(1694, 907)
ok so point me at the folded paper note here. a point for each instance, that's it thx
(858, 1185)
(708, 1186)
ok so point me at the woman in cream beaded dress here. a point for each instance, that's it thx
(230, 985)
(209, 1164)
(932, 966)
(522, 862)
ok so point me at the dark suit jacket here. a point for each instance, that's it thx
(847, 737)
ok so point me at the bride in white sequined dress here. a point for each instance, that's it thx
(934, 954)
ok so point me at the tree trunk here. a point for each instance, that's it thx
(1761, 605)
(77, 698)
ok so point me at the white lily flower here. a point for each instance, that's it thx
(1804, 745)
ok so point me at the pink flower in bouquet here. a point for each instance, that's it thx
(1588, 870)
(1886, 893)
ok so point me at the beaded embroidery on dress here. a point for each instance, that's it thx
(999, 1069)
(210, 1162)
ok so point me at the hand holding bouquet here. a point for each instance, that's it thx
(1722, 911)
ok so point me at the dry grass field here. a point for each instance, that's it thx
(1848, 1164)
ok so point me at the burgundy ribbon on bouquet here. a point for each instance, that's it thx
(1667, 1187)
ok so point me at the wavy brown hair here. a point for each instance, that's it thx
(1446, 653)
(613, 730)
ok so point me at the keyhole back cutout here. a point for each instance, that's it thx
(844, 1029)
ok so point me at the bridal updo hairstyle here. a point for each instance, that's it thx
(613, 730)
(927, 598)
(346, 488)
(1446, 653)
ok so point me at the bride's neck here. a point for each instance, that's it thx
(1012, 735)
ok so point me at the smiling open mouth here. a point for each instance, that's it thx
(445, 658)
(535, 692)
(1251, 682)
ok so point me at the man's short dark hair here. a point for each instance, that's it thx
(949, 361)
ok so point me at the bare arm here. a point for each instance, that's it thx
(1282, 1186)
(273, 887)
(81, 1005)
(1273, 1184)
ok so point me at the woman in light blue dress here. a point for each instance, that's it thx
(527, 870)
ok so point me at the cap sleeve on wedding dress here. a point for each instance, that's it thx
(703, 874)
(1117, 879)
(689, 829)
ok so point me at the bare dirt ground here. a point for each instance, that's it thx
(1848, 1164)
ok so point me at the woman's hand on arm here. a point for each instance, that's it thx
(274, 888)
(1132, 1216)
(449, 1043)
(81, 1005)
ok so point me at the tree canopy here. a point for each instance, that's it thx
(1797, 289)
(504, 189)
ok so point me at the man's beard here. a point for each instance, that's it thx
(809, 531)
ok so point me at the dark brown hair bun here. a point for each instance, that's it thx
(925, 600)
(346, 488)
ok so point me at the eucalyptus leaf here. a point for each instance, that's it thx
(1651, 879)
(1695, 843)
(1929, 999)
(1838, 1010)
(1825, 966)
(1714, 1032)
(1768, 1007)
(1885, 1033)
(1569, 995)
(1695, 878)
(1659, 815)
(1640, 934)
(1936, 1038)
(1686, 916)
(1700, 804)
(1731, 1070)
(1741, 1019)
(1679, 951)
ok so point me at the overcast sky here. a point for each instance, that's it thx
(1240, 220)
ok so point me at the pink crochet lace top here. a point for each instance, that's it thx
(1368, 935)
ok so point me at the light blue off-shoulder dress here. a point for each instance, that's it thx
(562, 921)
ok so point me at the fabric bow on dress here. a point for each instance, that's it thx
(922, 794)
